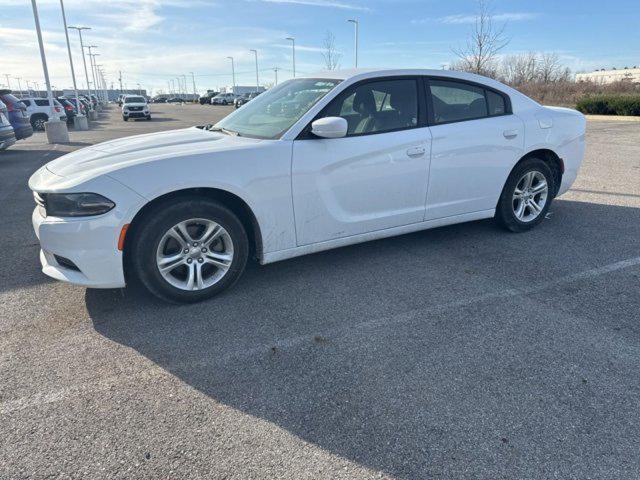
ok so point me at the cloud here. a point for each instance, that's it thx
(463, 19)
(323, 3)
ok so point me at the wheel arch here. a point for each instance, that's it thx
(551, 158)
(230, 200)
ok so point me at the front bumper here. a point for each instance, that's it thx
(135, 114)
(90, 244)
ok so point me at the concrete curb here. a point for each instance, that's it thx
(612, 118)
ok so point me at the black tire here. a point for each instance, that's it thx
(505, 214)
(148, 234)
(125, 119)
(149, 117)
(38, 120)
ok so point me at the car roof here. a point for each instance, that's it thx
(352, 75)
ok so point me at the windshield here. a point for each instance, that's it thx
(134, 100)
(272, 113)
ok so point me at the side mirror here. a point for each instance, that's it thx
(330, 127)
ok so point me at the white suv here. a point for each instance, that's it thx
(39, 110)
(223, 99)
(135, 106)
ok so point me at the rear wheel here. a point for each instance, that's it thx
(526, 196)
(38, 121)
(189, 250)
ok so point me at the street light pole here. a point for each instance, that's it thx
(79, 121)
(275, 69)
(56, 130)
(293, 46)
(233, 74)
(8, 83)
(19, 85)
(257, 79)
(356, 24)
(84, 61)
(195, 92)
(93, 73)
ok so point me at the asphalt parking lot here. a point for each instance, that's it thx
(460, 353)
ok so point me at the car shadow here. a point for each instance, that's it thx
(273, 346)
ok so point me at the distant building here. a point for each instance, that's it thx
(610, 76)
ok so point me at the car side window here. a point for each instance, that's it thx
(456, 101)
(495, 102)
(42, 103)
(26, 102)
(377, 106)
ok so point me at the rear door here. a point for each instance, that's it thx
(374, 178)
(476, 143)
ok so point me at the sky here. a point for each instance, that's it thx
(153, 41)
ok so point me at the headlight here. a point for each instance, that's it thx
(74, 204)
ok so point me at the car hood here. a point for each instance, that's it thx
(121, 153)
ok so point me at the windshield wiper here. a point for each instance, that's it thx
(212, 128)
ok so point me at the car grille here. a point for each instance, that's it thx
(135, 109)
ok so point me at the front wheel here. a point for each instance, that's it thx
(527, 196)
(189, 250)
(125, 119)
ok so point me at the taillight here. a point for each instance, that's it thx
(68, 107)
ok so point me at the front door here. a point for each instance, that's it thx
(374, 178)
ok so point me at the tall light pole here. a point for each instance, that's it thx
(184, 82)
(19, 85)
(28, 88)
(293, 46)
(195, 92)
(139, 89)
(79, 121)
(93, 71)
(356, 24)
(275, 69)
(84, 61)
(255, 52)
(56, 130)
(101, 82)
(233, 74)
(8, 82)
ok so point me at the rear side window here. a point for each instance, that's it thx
(495, 102)
(455, 101)
(458, 101)
(42, 103)
(26, 102)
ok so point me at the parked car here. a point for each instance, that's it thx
(223, 99)
(377, 153)
(85, 101)
(69, 109)
(82, 109)
(38, 111)
(17, 114)
(245, 98)
(135, 106)
(175, 100)
(160, 100)
(206, 98)
(7, 135)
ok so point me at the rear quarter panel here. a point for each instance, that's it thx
(561, 130)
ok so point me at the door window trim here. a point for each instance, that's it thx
(422, 106)
(431, 117)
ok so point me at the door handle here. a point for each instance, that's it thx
(416, 151)
(510, 133)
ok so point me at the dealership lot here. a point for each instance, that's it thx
(460, 352)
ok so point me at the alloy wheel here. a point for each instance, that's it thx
(194, 254)
(530, 196)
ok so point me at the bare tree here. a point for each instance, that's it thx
(520, 69)
(330, 54)
(481, 51)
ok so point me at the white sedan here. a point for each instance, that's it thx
(315, 163)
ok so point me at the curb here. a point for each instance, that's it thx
(612, 118)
